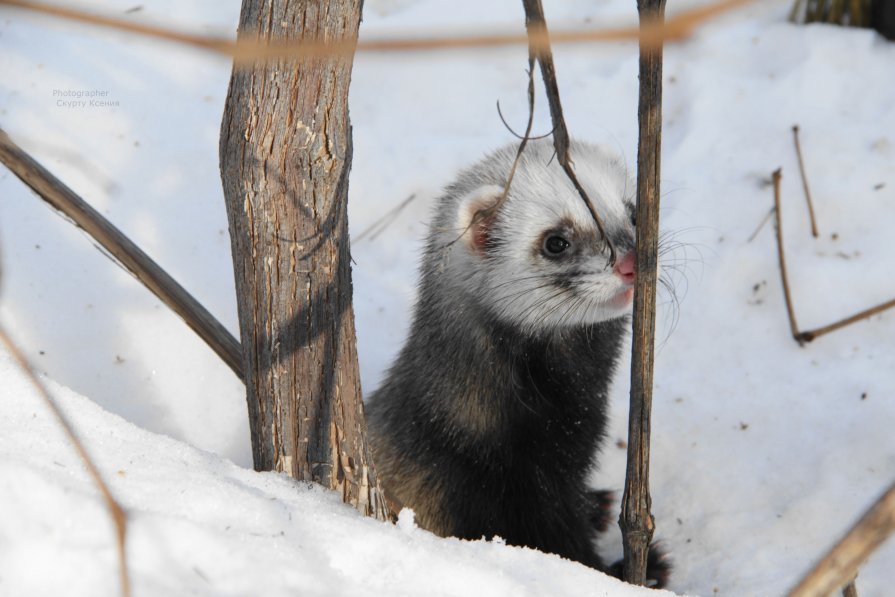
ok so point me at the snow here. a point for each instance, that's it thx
(201, 525)
(763, 452)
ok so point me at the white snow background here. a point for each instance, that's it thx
(763, 452)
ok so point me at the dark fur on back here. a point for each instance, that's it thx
(517, 469)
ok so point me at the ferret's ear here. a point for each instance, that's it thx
(473, 221)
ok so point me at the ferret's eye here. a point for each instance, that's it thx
(555, 245)
(632, 211)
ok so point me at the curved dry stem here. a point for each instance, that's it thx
(119, 517)
(539, 47)
(841, 562)
(246, 51)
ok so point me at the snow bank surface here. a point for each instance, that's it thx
(200, 525)
(763, 452)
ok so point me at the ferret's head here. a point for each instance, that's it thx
(537, 260)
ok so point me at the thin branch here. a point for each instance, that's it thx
(491, 210)
(841, 563)
(486, 213)
(761, 224)
(379, 226)
(246, 51)
(794, 328)
(636, 520)
(526, 136)
(536, 25)
(60, 197)
(809, 335)
(795, 136)
(507, 126)
(119, 517)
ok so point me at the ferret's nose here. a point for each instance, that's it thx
(626, 267)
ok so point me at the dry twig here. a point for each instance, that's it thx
(761, 224)
(119, 517)
(841, 563)
(810, 335)
(536, 25)
(60, 197)
(636, 520)
(377, 227)
(794, 328)
(245, 51)
(524, 139)
(795, 136)
(489, 211)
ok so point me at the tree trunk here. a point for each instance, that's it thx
(285, 155)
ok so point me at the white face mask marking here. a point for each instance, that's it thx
(539, 263)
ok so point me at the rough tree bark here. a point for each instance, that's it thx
(636, 521)
(285, 154)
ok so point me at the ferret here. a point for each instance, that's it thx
(491, 417)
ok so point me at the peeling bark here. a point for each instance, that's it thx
(285, 154)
